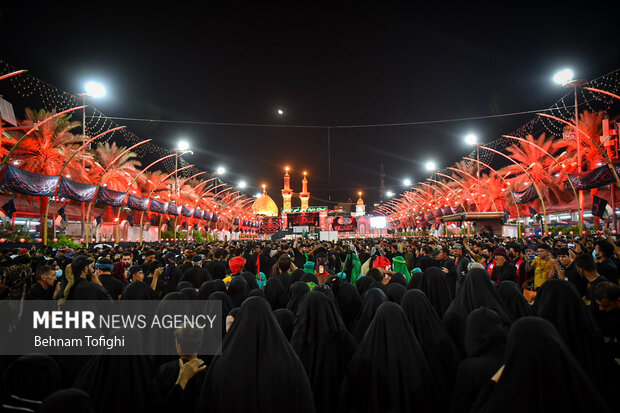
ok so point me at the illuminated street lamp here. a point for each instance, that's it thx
(565, 78)
(430, 166)
(407, 182)
(242, 184)
(472, 139)
(389, 194)
(95, 90)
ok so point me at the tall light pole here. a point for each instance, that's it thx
(565, 78)
(472, 139)
(93, 90)
(219, 171)
(181, 149)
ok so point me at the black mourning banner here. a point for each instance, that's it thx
(270, 225)
(598, 206)
(344, 224)
(303, 219)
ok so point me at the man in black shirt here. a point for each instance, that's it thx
(427, 259)
(604, 265)
(43, 288)
(568, 270)
(587, 269)
(461, 261)
(196, 274)
(449, 268)
(86, 283)
(103, 269)
(170, 277)
(217, 267)
(179, 381)
(38, 260)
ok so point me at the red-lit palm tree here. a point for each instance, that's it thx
(591, 157)
(115, 175)
(539, 166)
(121, 173)
(49, 147)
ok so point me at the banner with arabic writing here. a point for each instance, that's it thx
(76, 191)
(29, 183)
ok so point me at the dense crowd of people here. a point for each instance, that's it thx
(482, 324)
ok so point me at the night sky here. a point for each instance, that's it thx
(325, 64)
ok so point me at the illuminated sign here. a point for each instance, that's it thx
(310, 209)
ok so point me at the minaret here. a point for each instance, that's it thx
(304, 195)
(360, 208)
(287, 192)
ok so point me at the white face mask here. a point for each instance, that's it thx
(58, 273)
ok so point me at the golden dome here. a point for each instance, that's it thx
(265, 206)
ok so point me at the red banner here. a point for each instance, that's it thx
(344, 224)
(303, 219)
(270, 225)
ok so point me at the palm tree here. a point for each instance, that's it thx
(539, 166)
(49, 147)
(591, 157)
(114, 169)
(6, 141)
(116, 176)
(497, 191)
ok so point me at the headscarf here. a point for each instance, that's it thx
(400, 266)
(138, 290)
(273, 378)
(485, 332)
(398, 278)
(286, 320)
(348, 300)
(513, 299)
(183, 284)
(370, 303)
(324, 347)
(276, 294)
(441, 353)
(250, 279)
(395, 292)
(297, 291)
(388, 372)
(558, 302)
(536, 356)
(189, 293)
(209, 287)
(227, 306)
(435, 287)
(238, 290)
(296, 275)
(261, 280)
(30, 379)
(485, 335)
(257, 292)
(478, 290)
(309, 278)
(67, 401)
(119, 383)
